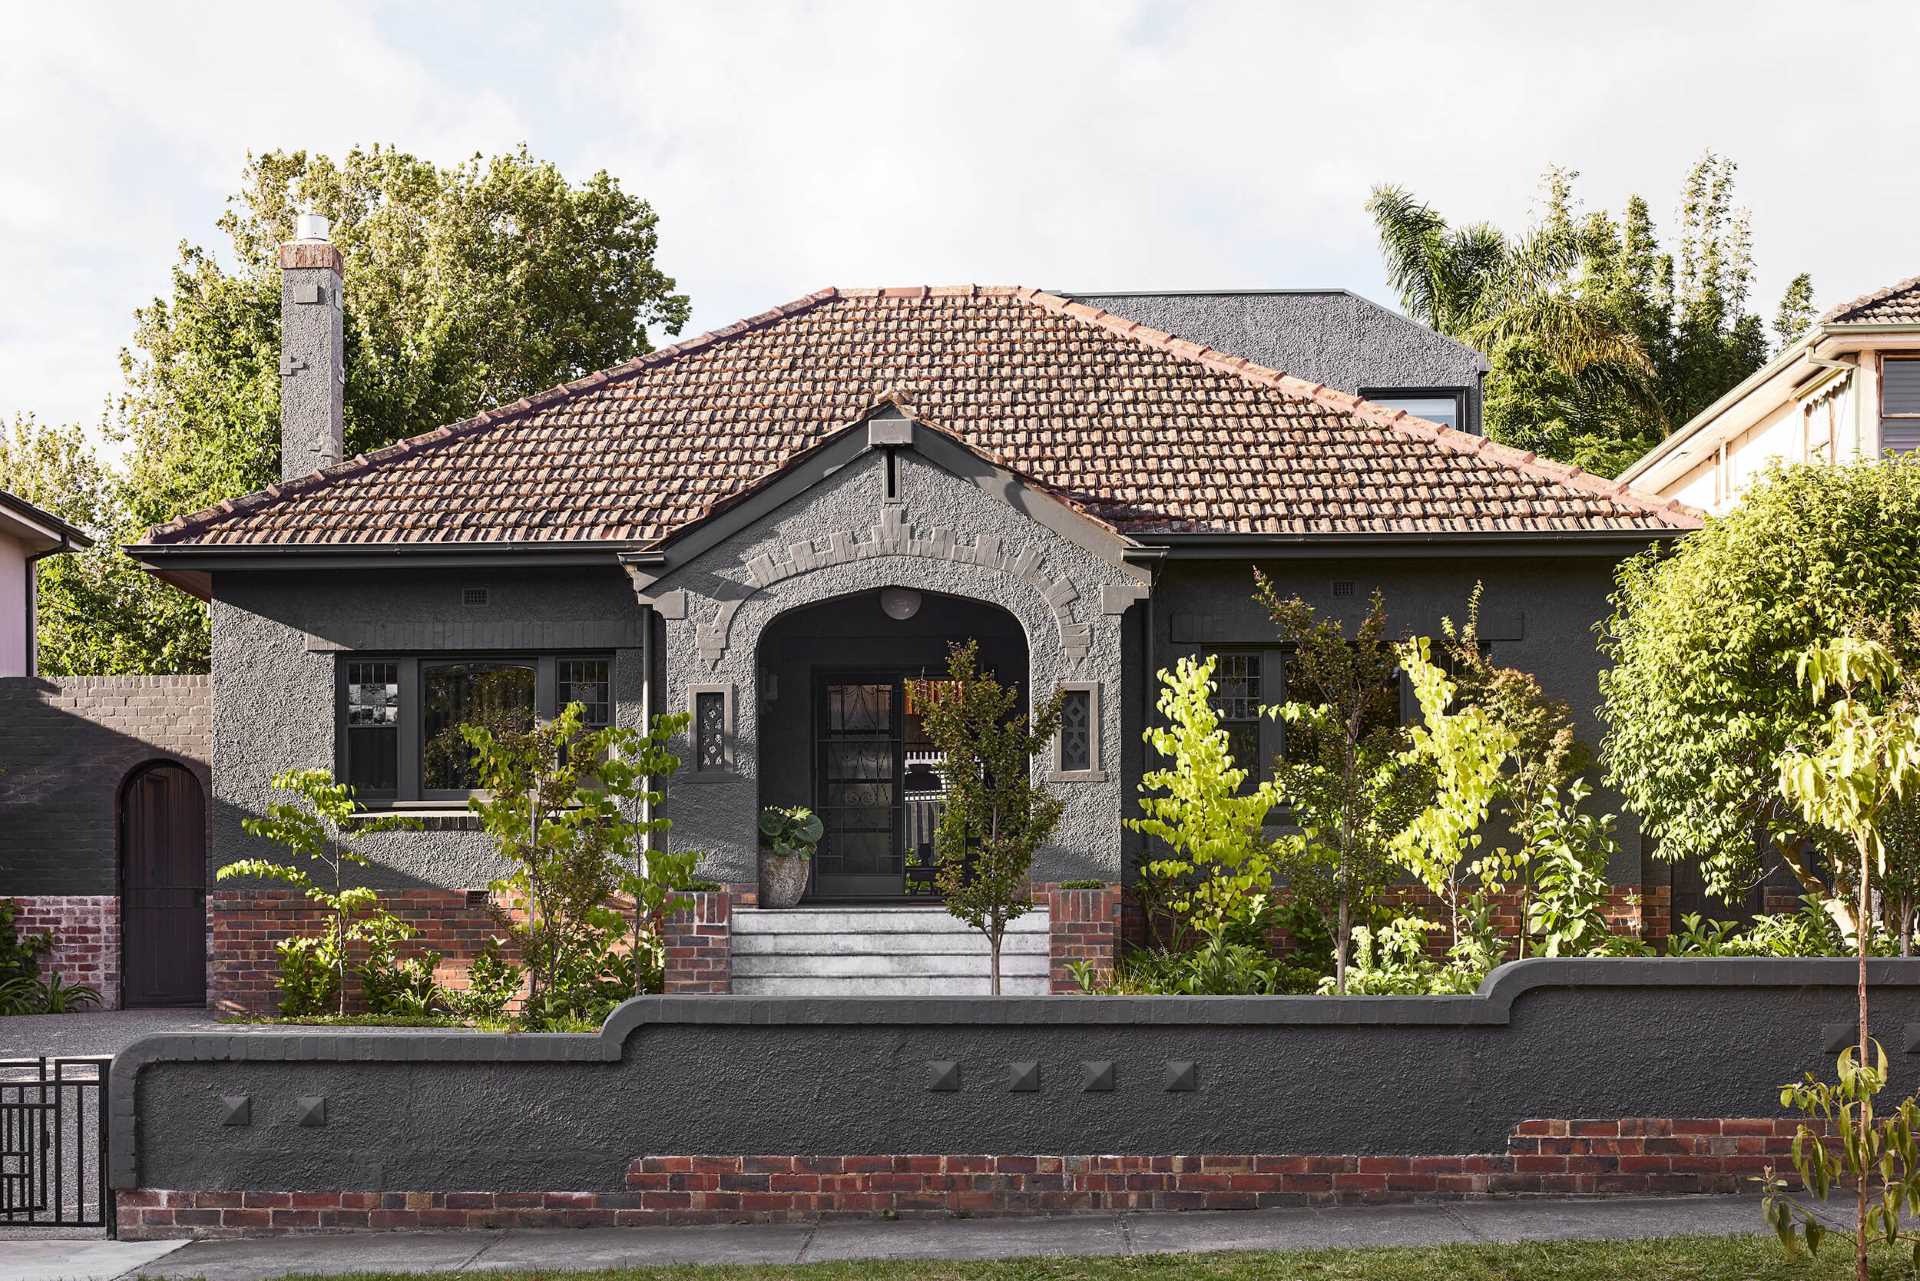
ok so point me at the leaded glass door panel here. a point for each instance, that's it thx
(857, 773)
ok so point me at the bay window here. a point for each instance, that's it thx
(399, 717)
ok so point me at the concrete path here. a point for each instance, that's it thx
(29, 1036)
(551, 1250)
(79, 1260)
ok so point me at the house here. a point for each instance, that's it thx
(1848, 388)
(27, 536)
(773, 527)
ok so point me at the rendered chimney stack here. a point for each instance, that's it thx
(313, 362)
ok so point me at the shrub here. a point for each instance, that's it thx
(492, 983)
(395, 984)
(309, 982)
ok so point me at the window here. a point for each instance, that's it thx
(399, 717)
(1077, 741)
(1239, 688)
(1900, 406)
(373, 728)
(711, 707)
(1436, 405)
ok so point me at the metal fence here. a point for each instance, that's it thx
(53, 1143)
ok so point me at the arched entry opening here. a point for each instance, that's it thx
(163, 887)
(840, 731)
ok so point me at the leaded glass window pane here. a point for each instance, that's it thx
(1238, 681)
(585, 681)
(499, 696)
(373, 728)
(709, 730)
(1076, 730)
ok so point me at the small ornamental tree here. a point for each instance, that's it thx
(993, 816)
(1860, 762)
(315, 827)
(1343, 770)
(1219, 871)
(1700, 697)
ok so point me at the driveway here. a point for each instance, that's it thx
(28, 1036)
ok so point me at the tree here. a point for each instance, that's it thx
(467, 286)
(1859, 761)
(1342, 769)
(1700, 697)
(1600, 342)
(100, 613)
(315, 827)
(1220, 869)
(1795, 313)
(994, 816)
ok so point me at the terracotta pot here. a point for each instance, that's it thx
(783, 878)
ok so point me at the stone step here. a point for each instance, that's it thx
(890, 944)
(868, 985)
(885, 967)
(862, 920)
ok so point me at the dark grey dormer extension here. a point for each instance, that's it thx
(1326, 336)
(313, 360)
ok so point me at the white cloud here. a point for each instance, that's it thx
(1096, 146)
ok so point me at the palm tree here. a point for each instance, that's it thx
(1476, 284)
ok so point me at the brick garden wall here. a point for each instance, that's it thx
(699, 940)
(86, 939)
(1640, 1156)
(1084, 925)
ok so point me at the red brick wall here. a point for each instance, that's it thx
(243, 926)
(699, 941)
(86, 939)
(1082, 925)
(1625, 1157)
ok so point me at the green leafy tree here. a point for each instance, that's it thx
(320, 826)
(1600, 341)
(1796, 312)
(1700, 696)
(1342, 771)
(100, 613)
(1465, 749)
(573, 812)
(994, 816)
(467, 286)
(1861, 759)
(1218, 868)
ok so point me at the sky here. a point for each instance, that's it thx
(1092, 147)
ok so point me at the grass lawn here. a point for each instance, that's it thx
(1676, 1259)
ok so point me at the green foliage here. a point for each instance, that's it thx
(1704, 641)
(575, 815)
(99, 613)
(310, 970)
(1219, 966)
(396, 984)
(1217, 872)
(1465, 750)
(995, 816)
(791, 831)
(19, 953)
(1567, 856)
(315, 828)
(491, 984)
(57, 996)
(1392, 960)
(1344, 774)
(1601, 342)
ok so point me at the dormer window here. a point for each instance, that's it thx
(1443, 405)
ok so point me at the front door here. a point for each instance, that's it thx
(163, 892)
(857, 783)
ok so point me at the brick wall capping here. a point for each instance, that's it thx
(1490, 1006)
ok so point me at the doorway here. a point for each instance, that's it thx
(163, 887)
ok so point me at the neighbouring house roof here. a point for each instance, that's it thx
(1142, 431)
(37, 530)
(1897, 304)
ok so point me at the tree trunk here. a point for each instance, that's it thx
(1342, 931)
(1810, 881)
(993, 964)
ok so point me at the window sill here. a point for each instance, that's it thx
(431, 817)
(707, 776)
(1077, 776)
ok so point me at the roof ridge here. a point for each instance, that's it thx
(1524, 461)
(1866, 300)
(194, 522)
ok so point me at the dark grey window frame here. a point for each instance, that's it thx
(410, 794)
(1458, 395)
(1906, 422)
(1273, 692)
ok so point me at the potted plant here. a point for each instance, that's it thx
(789, 835)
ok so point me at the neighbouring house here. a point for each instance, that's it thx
(27, 536)
(1848, 388)
(775, 526)
(102, 800)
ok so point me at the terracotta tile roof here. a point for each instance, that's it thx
(1144, 431)
(1897, 304)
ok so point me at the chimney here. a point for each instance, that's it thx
(313, 361)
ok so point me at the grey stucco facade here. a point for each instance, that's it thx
(1328, 336)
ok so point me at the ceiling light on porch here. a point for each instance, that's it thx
(899, 603)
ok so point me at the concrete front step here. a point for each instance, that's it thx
(865, 920)
(880, 951)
